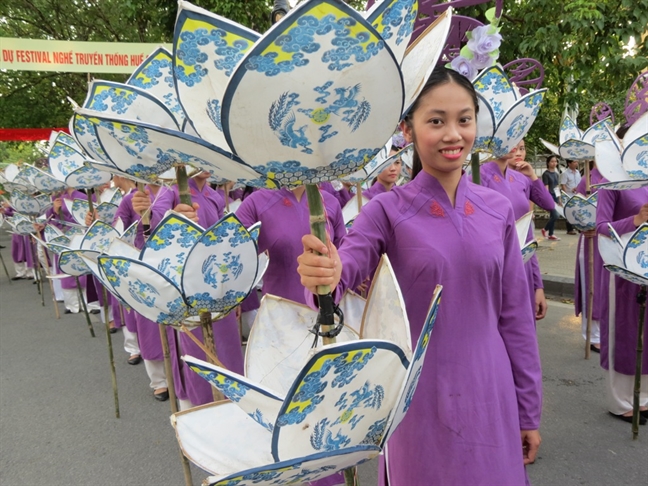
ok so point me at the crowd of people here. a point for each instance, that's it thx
(476, 415)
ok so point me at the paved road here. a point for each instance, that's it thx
(57, 423)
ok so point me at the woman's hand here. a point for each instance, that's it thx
(541, 304)
(642, 216)
(589, 233)
(141, 201)
(530, 445)
(90, 217)
(189, 212)
(316, 270)
(525, 169)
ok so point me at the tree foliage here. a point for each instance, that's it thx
(583, 46)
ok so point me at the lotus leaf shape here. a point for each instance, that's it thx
(627, 255)
(576, 144)
(580, 210)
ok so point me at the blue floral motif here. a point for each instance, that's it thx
(229, 229)
(376, 432)
(177, 310)
(517, 127)
(257, 416)
(232, 389)
(172, 157)
(305, 473)
(353, 111)
(393, 17)
(142, 171)
(120, 100)
(204, 301)
(534, 102)
(638, 239)
(300, 41)
(323, 439)
(214, 113)
(642, 158)
(143, 292)
(152, 74)
(62, 150)
(189, 53)
(215, 273)
(409, 395)
(292, 173)
(494, 80)
(184, 235)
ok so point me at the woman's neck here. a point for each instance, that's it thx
(298, 192)
(448, 180)
(387, 185)
(200, 183)
(502, 164)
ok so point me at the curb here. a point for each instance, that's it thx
(558, 286)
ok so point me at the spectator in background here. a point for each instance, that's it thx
(551, 180)
(568, 183)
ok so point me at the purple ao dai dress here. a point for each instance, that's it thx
(481, 382)
(284, 220)
(619, 312)
(226, 331)
(519, 190)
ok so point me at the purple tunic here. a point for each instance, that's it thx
(481, 382)
(374, 190)
(148, 332)
(284, 221)
(619, 209)
(64, 214)
(343, 196)
(226, 331)
(579, 306)
(519, 189)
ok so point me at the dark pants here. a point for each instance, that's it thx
(553, 217)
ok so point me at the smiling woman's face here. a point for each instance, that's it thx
(443, 128)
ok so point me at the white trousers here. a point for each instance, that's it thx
(71, 299)
(58, 289)
(620, 387)
(595, 331)
(131, 345)
(102, 314)
(21, 269)
(155, 372)
(184, 404)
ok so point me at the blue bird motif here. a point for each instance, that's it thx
(293, 138)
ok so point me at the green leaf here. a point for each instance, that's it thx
(490, 14)
(466, 52)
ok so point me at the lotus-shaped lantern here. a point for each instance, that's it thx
(75, 248)
(13, 179)
(184, 269)
(67, 164)
(330, 409)
(504, 115)
(106, 208)
(576, 144)
(42, 180)
(580, 211)
(30, 205)
(624, 163)
(522, 226)
(301, 88)
(21, 224)
(627, 255)
(370, 171)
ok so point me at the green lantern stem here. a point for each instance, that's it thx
(183, 185)
(474, 165)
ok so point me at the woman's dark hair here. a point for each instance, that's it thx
(549, 160)
(439, 76)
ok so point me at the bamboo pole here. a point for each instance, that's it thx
(37, 273)
(90, 203)
(641, 300)
(110, 352)
(474, 165)
(172, 397)
(85, 307)
(208, 339)
(590, 264)
(358, 196)
(146, 215)
(326, 316)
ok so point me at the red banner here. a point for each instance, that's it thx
(27, 134)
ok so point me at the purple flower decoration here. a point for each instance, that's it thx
(483, 42)
(464, 66)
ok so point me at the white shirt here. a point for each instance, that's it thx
(570, 179)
